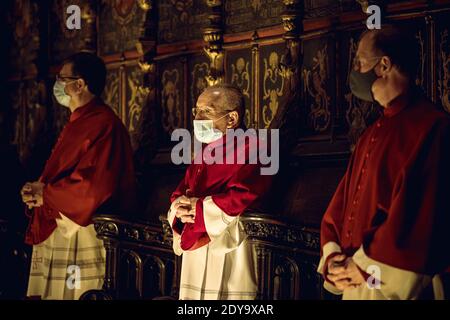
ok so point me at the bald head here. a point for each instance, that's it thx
(220, 100)
(226, 97)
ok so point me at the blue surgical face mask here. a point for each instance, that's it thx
(59, 90)
(205, 132)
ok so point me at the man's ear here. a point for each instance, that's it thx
(80, 84)
(233, 120)
(386, 64)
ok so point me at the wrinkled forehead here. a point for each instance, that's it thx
(215, 99)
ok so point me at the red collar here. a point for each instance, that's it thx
(399, 103)
(85, 109)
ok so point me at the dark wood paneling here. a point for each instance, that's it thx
(198, 66)
(244, 15)
(239, 66)
(64, 42)
(181, 20)
(120, 25)
(111, 95)
(271, 83)
(442, 51)
(318, 87)
(136, 94)
(172, 110)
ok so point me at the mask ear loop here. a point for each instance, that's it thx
(222, 117)
(66, 83)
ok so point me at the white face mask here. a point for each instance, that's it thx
(59, 90)
(204, 130)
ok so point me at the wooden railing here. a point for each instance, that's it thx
(141, 265)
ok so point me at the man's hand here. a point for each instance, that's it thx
(344, 273)
(336, 270)
(26, 192)
(185, 209)
(354, 273)
(32, 194)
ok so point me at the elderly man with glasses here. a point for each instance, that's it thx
(218, 262)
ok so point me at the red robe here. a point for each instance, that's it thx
(89, 171)
(393, 198)
(233, 188)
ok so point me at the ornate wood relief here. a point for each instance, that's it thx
(286, 276)
(171, 100)
(146, 268)
(250, 15)
(172, 108)
(213, 36)
(120, 25)
(286, 118)
(143, 266)
(89, 16)
(239, 68)
(272, 81)
(317, 85)
(137, 95)
(320, 8)
(199, 69)
(181, 20)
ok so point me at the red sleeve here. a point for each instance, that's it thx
(243, 190)
(194, 234)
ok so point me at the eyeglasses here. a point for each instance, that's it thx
(357, 61)
(207, 112)
(61, 78)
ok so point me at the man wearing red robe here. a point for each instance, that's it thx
(386, 231)
(89, 171)
(218, 262)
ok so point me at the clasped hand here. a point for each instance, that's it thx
(185, 208)
(32, 194)
(344, 272)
